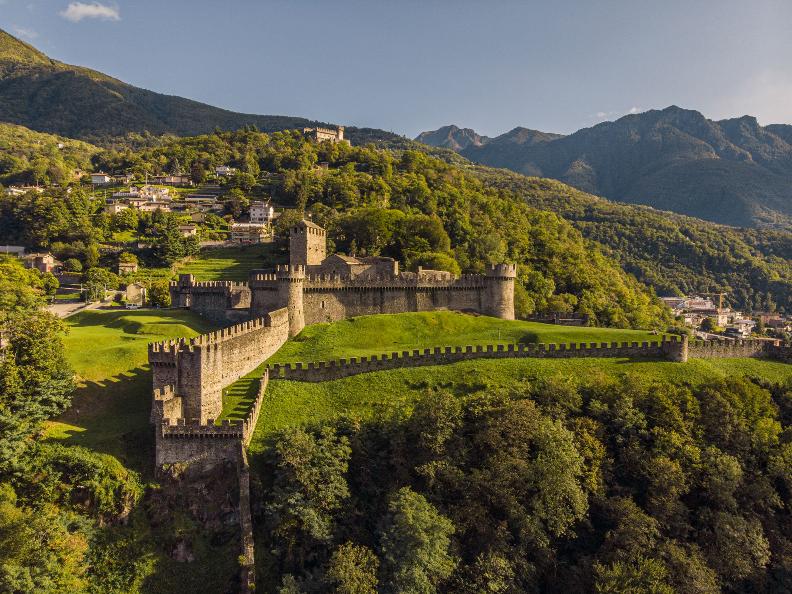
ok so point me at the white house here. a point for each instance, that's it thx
(261, 213)
(225, 170)
(100, 179)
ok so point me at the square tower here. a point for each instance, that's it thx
(307, 244)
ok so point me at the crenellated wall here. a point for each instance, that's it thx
(327, 298)
(181, 440)
(670, 348)
(199, 368)
(215, 300)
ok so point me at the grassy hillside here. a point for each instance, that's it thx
(109, 352)
(374, 335)
(291, 404)
(230, 264)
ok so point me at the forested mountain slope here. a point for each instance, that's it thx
(50, 96)
(673, 253)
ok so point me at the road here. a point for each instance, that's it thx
(69, 308)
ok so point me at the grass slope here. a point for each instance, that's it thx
(108, 351)
(230, 263)
(373, 335)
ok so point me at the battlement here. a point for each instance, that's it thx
(502, 270)
(323, 371)
(178, 427)
(338, 282)
(161, 352)
(669, 347)
(289, 271)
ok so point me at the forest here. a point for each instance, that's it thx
(619, 486)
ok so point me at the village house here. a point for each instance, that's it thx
(115, 207)
(261, 213)
(135, 294)
(188, 230)
(127, 267)
(42, 262)
(249, 232)
(101, 179)
(125, 178)
(225, 171)
(172, 180)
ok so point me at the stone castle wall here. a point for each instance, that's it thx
(181, 440)
(669, 348)
(214, 300)
(199, 368)
(327, 298)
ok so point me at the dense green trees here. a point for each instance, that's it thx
(421, 210)
(619, 485)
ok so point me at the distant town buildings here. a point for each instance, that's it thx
(101, 179)
(225, 171)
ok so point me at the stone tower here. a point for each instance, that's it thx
(500, 291)
(290, 294)
(307, 244)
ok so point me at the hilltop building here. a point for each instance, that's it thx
(326, 134)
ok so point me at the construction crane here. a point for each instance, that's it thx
(720, 297)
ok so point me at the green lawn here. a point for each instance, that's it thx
(230, 263)
(291, 403)
(373, 335)
(109, 351)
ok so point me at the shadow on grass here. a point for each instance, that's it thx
(112, 417)
(239, 397)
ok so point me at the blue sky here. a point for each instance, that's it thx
(414, 65)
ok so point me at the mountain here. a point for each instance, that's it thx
(734, 171)
(452, 137)
(49, 96)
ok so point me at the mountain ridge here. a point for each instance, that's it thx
(49, 96)
(732, 171)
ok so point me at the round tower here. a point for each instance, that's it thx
(290, 292)
(500, 291)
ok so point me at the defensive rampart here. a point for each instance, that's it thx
(199, 368)
(181, 440)
(670, 348)
(214, 300)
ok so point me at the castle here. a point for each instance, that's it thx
(326, 134)
(316, 288)
(189, 374)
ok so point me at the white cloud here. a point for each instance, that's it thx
(615, 114)
(23, 32)
(77, 11)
